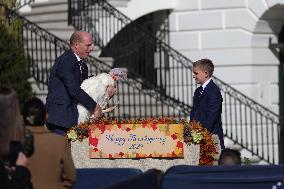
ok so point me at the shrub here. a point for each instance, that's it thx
(13, 64)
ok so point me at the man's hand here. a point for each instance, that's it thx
(111, 90)
(98, 112)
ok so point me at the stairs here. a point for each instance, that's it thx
(244, 153)
(52, 16)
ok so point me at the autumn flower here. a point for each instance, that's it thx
(72, 135)
(196, 136)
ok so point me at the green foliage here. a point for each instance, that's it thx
(247, 161)
(13, 64)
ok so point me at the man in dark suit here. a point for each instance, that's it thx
(207, 99)
(64, 92)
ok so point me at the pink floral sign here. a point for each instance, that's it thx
(136, 141)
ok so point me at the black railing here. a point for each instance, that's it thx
(245, 121)
(42, 48)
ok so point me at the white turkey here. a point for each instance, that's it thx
(96, 87)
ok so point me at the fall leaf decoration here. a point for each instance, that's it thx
(81, 131)
(78, 132)
(195, 133)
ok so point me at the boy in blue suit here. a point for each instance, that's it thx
(207, 99)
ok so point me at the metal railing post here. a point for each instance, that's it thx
(281, 142)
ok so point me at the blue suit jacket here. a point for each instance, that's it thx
(207, 109)
(64, 91)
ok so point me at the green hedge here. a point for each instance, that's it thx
(13, 64)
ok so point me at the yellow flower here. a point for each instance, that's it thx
(196, 136)
(72, 135)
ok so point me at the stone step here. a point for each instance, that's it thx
(44, 18)
(107, 60)
(247, 154)
(41, 94)
(62, 33)
(44, 65)
(244, 152)
(118, 3)
(50, 15)
(154, 109)
(47, 7)
(144, 112)
(48, 53)
(134, 99)
(58, 24)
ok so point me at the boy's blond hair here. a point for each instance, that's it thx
(205, 65)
